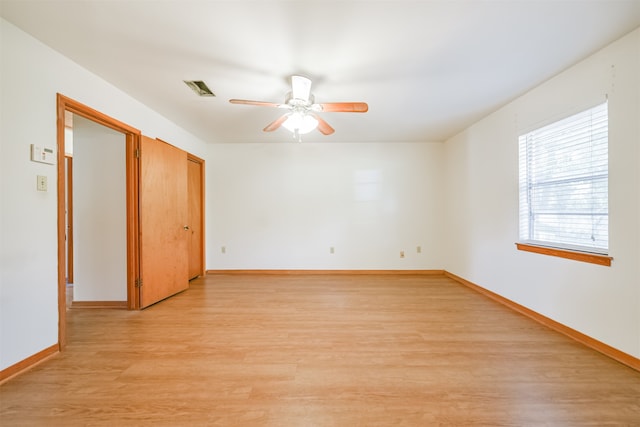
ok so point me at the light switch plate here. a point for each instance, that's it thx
(42, 183)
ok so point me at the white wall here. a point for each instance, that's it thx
(282, 206)
(481, 178)
(99, 213)
(30, 76)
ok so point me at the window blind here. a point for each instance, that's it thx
(564, 175)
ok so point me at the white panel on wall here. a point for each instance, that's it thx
(99, 213)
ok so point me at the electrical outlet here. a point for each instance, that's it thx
(419, 249)
(401, 254)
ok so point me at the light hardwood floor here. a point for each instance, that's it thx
(320, 351)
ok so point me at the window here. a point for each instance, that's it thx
(564, 183)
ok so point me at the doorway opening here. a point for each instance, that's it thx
(65, 107)
(96, 245)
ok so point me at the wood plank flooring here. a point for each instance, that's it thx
(320, 351)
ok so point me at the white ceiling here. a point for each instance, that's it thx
(427, 69)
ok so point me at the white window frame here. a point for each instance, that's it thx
(563, 181)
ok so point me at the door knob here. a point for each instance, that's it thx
(186, 227)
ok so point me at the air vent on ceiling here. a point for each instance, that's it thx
(199, 87)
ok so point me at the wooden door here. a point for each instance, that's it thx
(196, 223)
(163, 221)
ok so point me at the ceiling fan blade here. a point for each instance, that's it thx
(344, 107)
(300, 87)
(324, 127)
(259, 103)
(276, 123)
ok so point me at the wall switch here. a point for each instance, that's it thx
(419, 249)
(42, 183)
(401, 254)
(223, 249)
(332, 250)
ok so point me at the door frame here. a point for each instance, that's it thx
(132, 136)
(199, 161)
(69, 216)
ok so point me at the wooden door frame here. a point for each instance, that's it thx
(69, 217)
(195, 159)
(132, 136)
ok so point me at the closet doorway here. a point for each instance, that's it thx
(129, 194)
(96, 235)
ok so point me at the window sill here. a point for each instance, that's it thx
(564, 253)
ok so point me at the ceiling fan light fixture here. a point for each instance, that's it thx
(299, 122)
(302, 117)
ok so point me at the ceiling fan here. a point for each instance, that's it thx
(302, 116)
